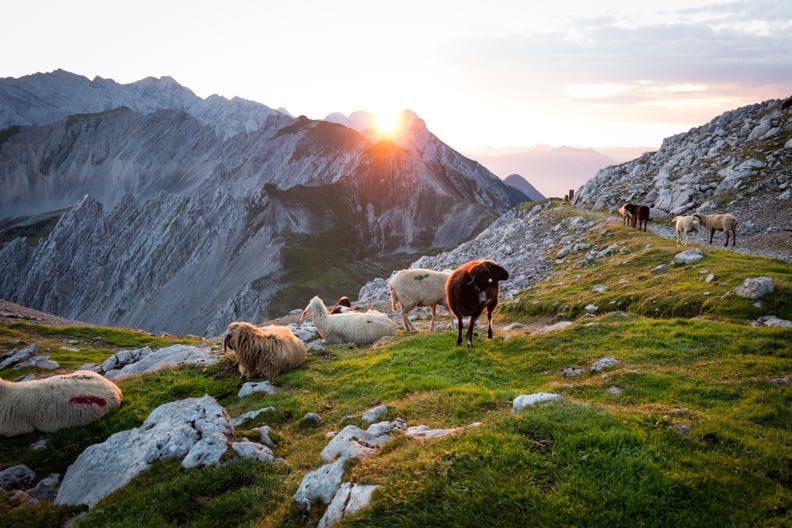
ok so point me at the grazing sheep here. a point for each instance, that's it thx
(418, 287)
(470, 289)
(627, 216)
(360, 328)
(719, 222)
(55, 403)
(264, 352)
(343, 304)
(640, 214)
(685, 225)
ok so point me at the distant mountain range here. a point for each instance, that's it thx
(553, 171)
(144, 205)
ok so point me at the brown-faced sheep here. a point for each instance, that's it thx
(264, 352)
(627, 217)
(55, 403)
(343, 304)
(359, 328)
(418, 287)
(640, 214)
(719, 222)
(472, 288)
(684, 225)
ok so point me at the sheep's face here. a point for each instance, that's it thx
(487, 274)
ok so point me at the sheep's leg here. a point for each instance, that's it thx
(734, 235)
(434, 314)
(459, 326)
(712, 234)
(470, 331)
(406, 320)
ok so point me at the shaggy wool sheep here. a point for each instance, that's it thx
(472, 288)
(719, 222)
(359, 328)
(418, 287)
(55, 403)
(264, 352)
(685, 225)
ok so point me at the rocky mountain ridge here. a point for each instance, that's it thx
(163, 210)
(740, 163)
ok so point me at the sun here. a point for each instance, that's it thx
(388, 123)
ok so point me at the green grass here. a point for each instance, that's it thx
(699, 433)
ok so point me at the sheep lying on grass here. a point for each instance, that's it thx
(360, 328)
(55, 403)
(719, 222)
(418, 287)
(685, 225)
(470, 289)
(264, 352)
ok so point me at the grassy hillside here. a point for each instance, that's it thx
(692, 426)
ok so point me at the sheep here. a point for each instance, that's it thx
(263, 352)
(719, 222)
(627, 216)
(343, 304)
(685, 225)
(418, 287)
(640, 214)
(58, 402)
(470, 289)
(359, 328)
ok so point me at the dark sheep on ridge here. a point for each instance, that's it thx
(343, 304)
(640, 214)
(472, 288)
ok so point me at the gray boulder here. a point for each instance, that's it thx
(350, 498)
(753, 288)
(171, 431)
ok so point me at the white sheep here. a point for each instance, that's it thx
(264, 352)
(55, 403)
(418, 287)
(360, 328)
(685, 225)
(719, 222)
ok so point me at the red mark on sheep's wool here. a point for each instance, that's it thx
(87, 399)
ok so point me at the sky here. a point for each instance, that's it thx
(505, 73)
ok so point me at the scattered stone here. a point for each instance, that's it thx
(772, 320)
(46, 488)
(423, 432)
(526, 400)
(603, 364)
(312, 419)
(255, 451)
(614, 390)
(688, 257)
(591, 308)
(252, 387)
(709, 278)
(320, 484)
(753, 288)
(353, 441)
(557, 326)
(571, 372)
(372, 415)
(682, 429)
(251, 415)
(16, 477)
(172, 356)
(350, 498)
(660, 268)
(599, 288)
(264, 433)
(15, 356)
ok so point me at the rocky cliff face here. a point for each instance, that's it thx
(179, 222)
(740, 163)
